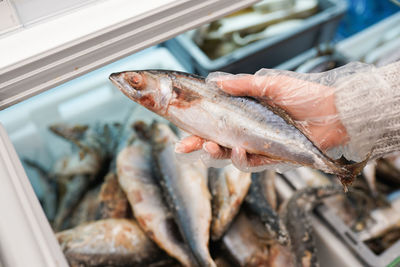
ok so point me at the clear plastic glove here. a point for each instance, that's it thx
(310, 99)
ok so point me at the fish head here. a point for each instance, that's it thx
(151, 89)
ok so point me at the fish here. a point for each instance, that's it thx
(48, 199)
(268, 188)
(88, 207)
(295, 215)
(113, 202)
(243, 244)
(185, 189)
(257, 203)
(228, 187)
(109, 242)
(135, 175)
(248, 244)
(202, 109)
(89, 160)
(75, 190)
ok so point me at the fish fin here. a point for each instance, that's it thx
(353, 170)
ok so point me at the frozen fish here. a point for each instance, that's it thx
(111, 242)
(134, 167)
(186, 192)
(204, 110)
(257, 202)
(228, 187)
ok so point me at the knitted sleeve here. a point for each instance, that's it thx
(368, 103)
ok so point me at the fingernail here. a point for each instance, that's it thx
(180, 148)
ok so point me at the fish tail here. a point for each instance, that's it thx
(351, 171)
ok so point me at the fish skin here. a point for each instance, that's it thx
(268, 188)
(113, 202)
(204, 110)
(250, 245)
(87, 210)
(185, 189)
(110, 242)
(228, 187)
(295, 214)
(257, 203)
(74, 192)
(244, 245)
(134, 167)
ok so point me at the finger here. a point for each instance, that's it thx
(189, 144)
(216, 151)
(245, 161)
(255, 85)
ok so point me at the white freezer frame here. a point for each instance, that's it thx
(54, 51)
(29, 240)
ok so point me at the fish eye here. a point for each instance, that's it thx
(135, 80)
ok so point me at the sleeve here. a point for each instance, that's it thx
(368, 103)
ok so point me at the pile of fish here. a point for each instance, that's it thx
(265, 19)
(122, 198)
(259, 127)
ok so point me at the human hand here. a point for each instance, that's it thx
(308, 98)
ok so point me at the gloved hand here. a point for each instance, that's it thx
(310, 99)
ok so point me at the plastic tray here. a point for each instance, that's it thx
(318, 29)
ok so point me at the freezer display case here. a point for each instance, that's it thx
(56, 57)
(45, 44)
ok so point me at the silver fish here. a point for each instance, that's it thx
(186, 192)
(257, 203)
(295, 216)
(88, 208)
(268, 188)
(111, 242)
(244, 245)
(134, 169)
(113, 202)
(228, 188)
(74, 192)
(249, 244)
(204, 110)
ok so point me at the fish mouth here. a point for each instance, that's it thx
(119, 81)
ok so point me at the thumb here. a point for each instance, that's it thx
(253, 85)
(237, 85)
